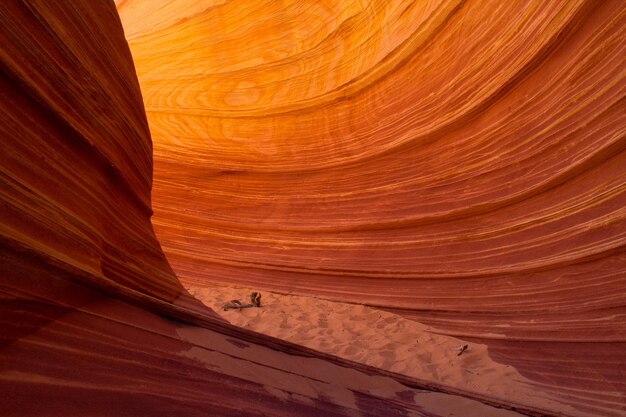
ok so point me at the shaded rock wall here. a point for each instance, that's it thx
(76, 150)
(458, 162)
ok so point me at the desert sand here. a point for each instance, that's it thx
(380, 339)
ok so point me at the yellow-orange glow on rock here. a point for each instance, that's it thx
(458, 162)
(93, 320)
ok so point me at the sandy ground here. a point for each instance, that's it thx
(380, 339)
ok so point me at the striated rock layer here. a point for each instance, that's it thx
(458, 162)
(94, 322)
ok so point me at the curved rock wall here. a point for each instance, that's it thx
(76, 150)
(94, 322)
(458, 162)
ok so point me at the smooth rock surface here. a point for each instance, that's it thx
(94, 322)
(460, 163)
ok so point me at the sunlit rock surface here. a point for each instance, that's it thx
(94, 322)
(458, 162)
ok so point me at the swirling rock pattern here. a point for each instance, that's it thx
(458, 162)
(94, 322)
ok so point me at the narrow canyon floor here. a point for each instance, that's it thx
(383, 340)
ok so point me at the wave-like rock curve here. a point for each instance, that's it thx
(94, 322)
(458, 162)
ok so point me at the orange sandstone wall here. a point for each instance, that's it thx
(76, 150)
(324, 146)
(459, 162)
(87, 299)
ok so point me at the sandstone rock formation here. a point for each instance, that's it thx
(458, 162)
(94, 322)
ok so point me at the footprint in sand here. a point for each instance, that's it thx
(388, 363)
(349, 350)
(433, 370)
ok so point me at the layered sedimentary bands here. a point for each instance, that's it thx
(94, 322)
(461, 163)
(457, 162)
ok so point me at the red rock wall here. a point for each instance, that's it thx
(463, 164)
(459, 162)
(94, 322)
(76, 150)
